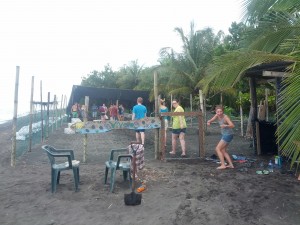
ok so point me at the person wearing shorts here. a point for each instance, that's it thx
(226, 126)
(178, 129)
(139, 111)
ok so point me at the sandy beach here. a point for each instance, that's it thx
(179, 191)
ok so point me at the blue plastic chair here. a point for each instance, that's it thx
(122, 163)
(56, 168)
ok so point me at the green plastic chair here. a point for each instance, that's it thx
(122, 163)
(56, 168)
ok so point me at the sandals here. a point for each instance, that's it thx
(265, 172)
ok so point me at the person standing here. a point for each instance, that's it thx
(178, 129)
(121, 112)
(94, 111)
(74, 110)
(226, 126)
(163, 108)
(139, 111)
(114, 112)
(103, 111)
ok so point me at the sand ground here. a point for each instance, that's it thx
(179, 191)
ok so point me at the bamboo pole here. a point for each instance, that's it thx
(191, 108)
(31, 114)
(84, 148)
(48, 117)
(56, 113)
(252, 85)
(60, 113)
(201, 136)
(42, 116)
(267, 103)
(14, 127)
(203, 126)
(156, 137)
(241, 114)
(86, 102)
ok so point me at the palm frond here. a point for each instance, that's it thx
(228, 69)
(289, 112)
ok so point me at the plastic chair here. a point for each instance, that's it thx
(123, 163)
(56, 168)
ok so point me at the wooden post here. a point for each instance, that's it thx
(191, 107)
(61, 110)
(31, 114)
(201, 136)
(156, 137)
(42, 116)
(201, 100)
(84, 148)
(86, 102)
(48, 116)
(252, 83)
(14, 127)
(52, 111)
(241, 115)
(267, 103)
(55, 110)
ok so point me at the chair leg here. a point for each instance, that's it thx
(78, 174)
(125, 173)
(54, 177)
(58, 177)
(76, 177)
(112, 179)
(106, 172)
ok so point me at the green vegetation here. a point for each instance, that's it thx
(215, 63)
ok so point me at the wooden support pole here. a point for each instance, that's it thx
(31, 114)
(61, 110)
(86, 108)
(252, 85)
(201, 136)
(48, 116)
(241, 114)
(56, 113)
(84, 148)
(14, 127)
(156, 135)
(42, 116)
(191, 108)
(267, 103)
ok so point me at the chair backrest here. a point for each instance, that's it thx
(49, 150)
(119, 151)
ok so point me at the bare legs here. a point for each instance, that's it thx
(222, 153)
(140, 136)
(182, 143)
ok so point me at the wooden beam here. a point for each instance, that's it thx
(267, 73)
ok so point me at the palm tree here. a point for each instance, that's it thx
(274, 36)
(187, 68)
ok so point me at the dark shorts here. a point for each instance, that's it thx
(139, 130)
(227, 138)
(178, 131)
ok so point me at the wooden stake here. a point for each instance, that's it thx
(14, 128)
(31, 114)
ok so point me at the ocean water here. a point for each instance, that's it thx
(8, 114)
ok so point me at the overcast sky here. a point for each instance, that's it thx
(60, 41)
